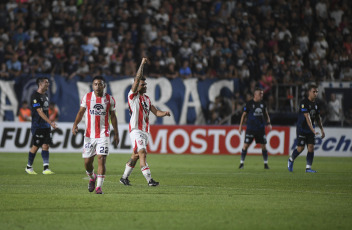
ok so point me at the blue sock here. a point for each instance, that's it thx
(265, 156)
(45, 156)
(310, 156)
(243, 155)
(295, 154)
(31, 157)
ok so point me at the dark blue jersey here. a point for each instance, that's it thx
(310, 107)
(255, 115)
(39, 101)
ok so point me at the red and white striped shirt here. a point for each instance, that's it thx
(97, 114)
(139, 106)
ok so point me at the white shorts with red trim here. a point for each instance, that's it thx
(139, 140)
(95, 146)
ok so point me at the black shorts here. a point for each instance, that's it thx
(42, 136)
(305, 139)
(260, 137)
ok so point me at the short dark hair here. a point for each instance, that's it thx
(258, 89)
(99, 78)
(312, 86)
(40, 80)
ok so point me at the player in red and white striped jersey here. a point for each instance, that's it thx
(97, 107)
(140, 107)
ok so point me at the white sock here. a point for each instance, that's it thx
(308, 166)
(242, 162)
(265, 162)
(146, 173)
(100, 180)
(128, 171)
(91, 175)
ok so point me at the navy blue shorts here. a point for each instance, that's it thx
(42, 136)
(305, 139)
(260, 137)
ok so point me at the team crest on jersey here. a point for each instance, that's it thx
(261, 106)
(316, 107)
(35, 101)
(98, 110)
(302, 106)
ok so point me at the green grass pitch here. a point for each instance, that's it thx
(195, 192)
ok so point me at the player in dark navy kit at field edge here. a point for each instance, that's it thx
(257, 115)
(41, 136)
(309, 112)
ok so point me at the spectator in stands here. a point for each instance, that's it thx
(348, 117)
(24, 114)
(14, 66)
(4, 74)
(218, 110)
(185, 70)
(53, 112)
(335, 111)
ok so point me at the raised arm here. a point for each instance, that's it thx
(139, 75)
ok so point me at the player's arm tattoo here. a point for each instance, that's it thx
(139, 75)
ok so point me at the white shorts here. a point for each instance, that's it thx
(139, 140)
(95, 146)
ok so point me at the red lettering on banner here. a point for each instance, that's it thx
(212, 140)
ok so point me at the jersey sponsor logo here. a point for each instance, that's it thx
(97, 110)
(145, 106)
(258, 112)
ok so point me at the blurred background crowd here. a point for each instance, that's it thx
(262, 43)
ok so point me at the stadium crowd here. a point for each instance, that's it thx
(257, 42)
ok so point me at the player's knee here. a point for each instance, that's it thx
(45, 147)
(142, 152)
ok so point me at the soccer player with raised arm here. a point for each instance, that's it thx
(140, 106)
(41, 126)
(97, 107)
(257, 115)
(309, 112)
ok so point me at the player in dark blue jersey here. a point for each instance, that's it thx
(309, 113)
(257, 116)
(41, 136)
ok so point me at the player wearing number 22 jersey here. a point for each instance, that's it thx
(97, 107)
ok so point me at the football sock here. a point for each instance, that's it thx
(243, 155)
(45, 156)
(100, 180)
(128, 171)
(294, 155)
(265, 156)
(31, 157)
(146, 173)
(310, 156)
(91, 174)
